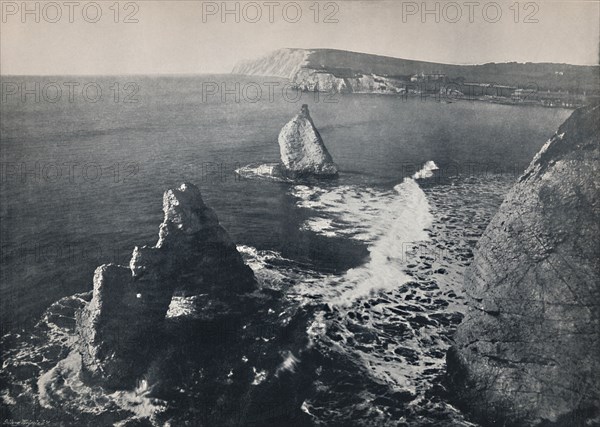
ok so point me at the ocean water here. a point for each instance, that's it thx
(384, 246)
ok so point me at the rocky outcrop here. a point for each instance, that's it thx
(188, 333)
(303, 154)
(310, 80)
(194, 256)
(528, 351)
(302, 150)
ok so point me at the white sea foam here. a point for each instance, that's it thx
(63, 387)
(256, 259)
(289, 364)
(345, 211)
(390, 222)
(267, 171)
(276, 272)
(401, 224)
(426, 171)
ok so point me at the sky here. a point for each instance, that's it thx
(195, 37)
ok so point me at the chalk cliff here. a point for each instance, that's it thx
(302, 150)
(528, 351)
(311, 80)
(326, 70)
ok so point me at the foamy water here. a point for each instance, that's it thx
(426, 171)
(267, 171)
(400, 329)
(391, 222)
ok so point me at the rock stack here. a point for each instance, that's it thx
(528, 352)
(194, 256)
(303, 153)
(188, 323)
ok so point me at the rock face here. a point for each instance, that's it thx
(528, 351)
(194, 255)
(302, 150)
(311, 80)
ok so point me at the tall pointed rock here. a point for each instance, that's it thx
(303, 152)
(122, 322)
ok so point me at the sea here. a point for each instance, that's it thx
(84, 163)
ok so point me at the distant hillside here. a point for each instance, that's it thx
(281, 63)
(301, 66)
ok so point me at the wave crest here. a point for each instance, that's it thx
(390, 222)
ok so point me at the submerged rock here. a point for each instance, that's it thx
(528, 351)
(302, 150)
(194, 256)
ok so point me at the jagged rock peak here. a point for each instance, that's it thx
(185, 211)
(181, 206)
(303, 152)
(194, 255)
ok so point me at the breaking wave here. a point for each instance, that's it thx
(390, 222)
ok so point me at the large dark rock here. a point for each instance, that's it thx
(303, 153)
(194, 256)
(528, 352)
(188, 323)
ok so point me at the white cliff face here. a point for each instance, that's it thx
(372, 83)
(283, 63)
(293, 64)
(314, 81)
(302, 150)
(311, 80)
